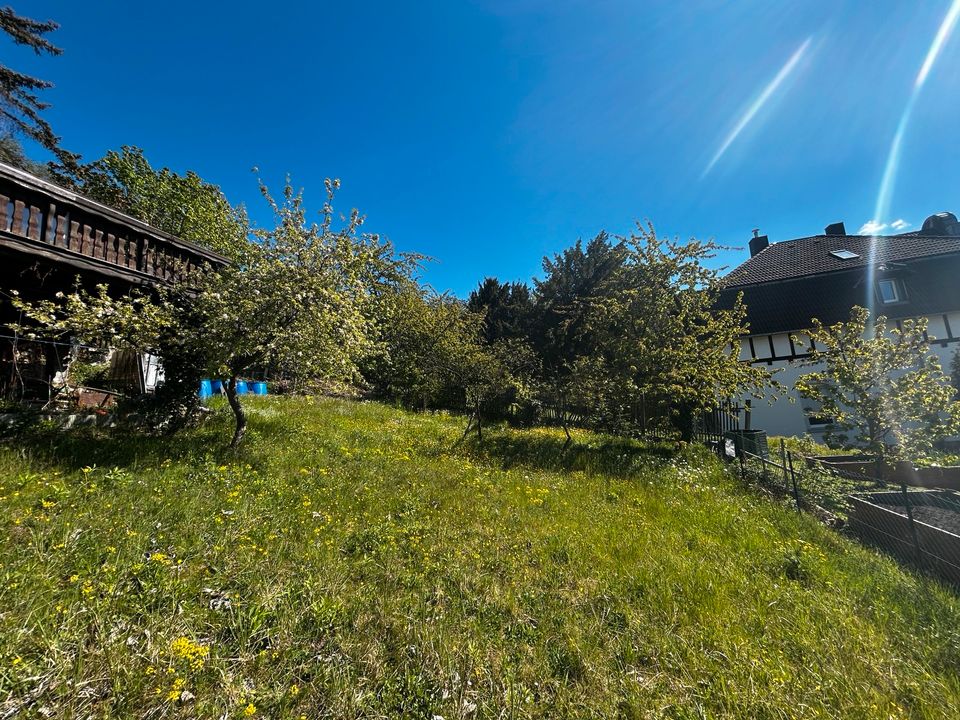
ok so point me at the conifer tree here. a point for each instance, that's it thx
(20, 103)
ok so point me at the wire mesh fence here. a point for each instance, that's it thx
(871, 501)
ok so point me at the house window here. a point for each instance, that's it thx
(816, 419)
(890, 291)
(844, 254)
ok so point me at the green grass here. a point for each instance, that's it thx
(353, 560)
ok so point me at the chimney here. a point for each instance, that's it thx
(758, 242)
(835, 229)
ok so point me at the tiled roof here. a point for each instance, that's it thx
(930, 283)
(811, 255)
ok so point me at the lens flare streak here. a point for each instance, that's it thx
(888, 182)
(943, 34)
(761, 100)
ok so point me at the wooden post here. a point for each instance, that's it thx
(913, 528)
(62, 230)
(783, 464)
(51, 234)
(86, 241)
(33, 223)
(793, 477)
(17, 227)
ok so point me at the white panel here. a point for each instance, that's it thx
(778, 415)
(954, 319)
(802, 343)
(745, 350)
(781, 343)
(761, 346)
(945, 354)
(152, 372)
(936, 327)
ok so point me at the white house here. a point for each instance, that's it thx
(787, 284)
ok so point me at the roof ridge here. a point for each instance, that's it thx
(812, 256)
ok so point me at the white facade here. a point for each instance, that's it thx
(785, 415)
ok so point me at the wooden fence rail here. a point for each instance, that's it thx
(43, 219)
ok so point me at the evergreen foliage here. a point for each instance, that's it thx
(625, 333)
(507, 309)
(20, 103)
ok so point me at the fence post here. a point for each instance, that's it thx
(783, 464)
(793, 477)
(913, 528)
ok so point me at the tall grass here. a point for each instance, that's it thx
(354, 560)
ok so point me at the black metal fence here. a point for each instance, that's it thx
(713, 427)
(920, 527)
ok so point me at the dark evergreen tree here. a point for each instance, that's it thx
(508, 309)
(560, 331)
(20, 104)
(12, 153)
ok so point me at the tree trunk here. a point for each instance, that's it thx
(466, 430)
(238, 413)
(479, 427)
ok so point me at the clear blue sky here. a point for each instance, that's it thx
(489, 133)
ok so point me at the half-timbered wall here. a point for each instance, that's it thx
(780, 353)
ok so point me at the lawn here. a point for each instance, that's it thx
(357, 561)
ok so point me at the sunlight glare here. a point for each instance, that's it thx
(888, 182)
(943, 34)
(761, 100)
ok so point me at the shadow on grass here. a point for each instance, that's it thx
(129, 447)
(617, 457)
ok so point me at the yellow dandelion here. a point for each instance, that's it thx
(194, 653)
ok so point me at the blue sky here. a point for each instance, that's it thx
(489, 133)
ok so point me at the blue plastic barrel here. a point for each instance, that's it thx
(205, 389)
(259, 388)
(242, 388)
(216, 387)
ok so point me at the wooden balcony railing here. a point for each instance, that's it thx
(40, 218)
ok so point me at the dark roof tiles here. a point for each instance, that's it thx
(812, 255)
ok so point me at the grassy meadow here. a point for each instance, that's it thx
(356, 561)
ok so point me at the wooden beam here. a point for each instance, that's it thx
(18, 208)
(66, 257)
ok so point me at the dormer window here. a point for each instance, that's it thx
(890, 291)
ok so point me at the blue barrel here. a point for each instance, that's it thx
(216, 387)
(259, 388)
(242, 388)
(205, 389)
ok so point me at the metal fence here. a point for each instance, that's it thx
(861, 497)
(711, 427)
